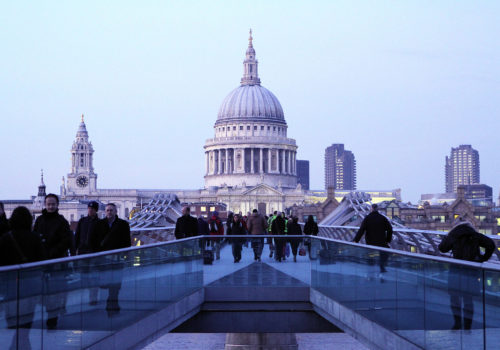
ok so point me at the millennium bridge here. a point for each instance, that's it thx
(337, 287)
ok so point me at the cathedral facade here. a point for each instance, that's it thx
(250, 145)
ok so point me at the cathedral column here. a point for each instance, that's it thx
(226, 167)
(219, 162)
(269, 160)
(213, 163)
(283, 162)
(294, 163)
(251, 161)
(231, 162)
(210, 160)
(243, 160)
(277, 161)
(206, 163)
(289, 169)
(261, 161)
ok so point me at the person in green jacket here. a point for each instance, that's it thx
(269, 225)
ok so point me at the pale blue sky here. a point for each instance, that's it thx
(398, 82)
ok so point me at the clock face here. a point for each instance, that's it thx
(82, 181)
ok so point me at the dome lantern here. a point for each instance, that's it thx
(250, 65)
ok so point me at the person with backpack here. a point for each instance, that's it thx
(465, 243)
(216, 229)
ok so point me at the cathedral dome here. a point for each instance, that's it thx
(252, 103)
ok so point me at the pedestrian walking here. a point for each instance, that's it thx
(111, 233)
(310, 229)
(84, 229)
(216, 229)
(378, 232)
(466, 244)
(295, 230)
(270, 220)
(19, 246)
(257, 225)
(186, 226)
(235, 230)
(57, 239)
(278, 228)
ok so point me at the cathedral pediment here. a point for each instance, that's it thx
(263, 190)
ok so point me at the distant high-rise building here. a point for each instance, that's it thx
(340, 168)
(478, 192)
(461, 167)
(303, 173)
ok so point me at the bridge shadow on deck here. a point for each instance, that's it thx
(257, 298)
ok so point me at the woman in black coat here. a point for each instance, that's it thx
(278, 228)
(295, 230)
(311, 227)
(20, 246)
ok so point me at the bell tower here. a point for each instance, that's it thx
(82, 180)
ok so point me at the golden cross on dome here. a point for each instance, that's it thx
(82, 118)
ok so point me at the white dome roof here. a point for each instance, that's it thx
(251, 103)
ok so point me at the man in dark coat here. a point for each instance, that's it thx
(186, 226)
(57, 240)
(378, 233)
(53, 229)
(4, 224)
(463, 283)
(84, 229)
(203, 226)
(112, 233)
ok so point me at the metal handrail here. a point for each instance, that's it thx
(488, 265)
(406, 239)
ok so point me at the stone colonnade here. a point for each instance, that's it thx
(251, 160)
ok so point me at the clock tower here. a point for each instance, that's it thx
(82, 180)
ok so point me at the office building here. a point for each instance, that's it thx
(340, 168)
(461, 168)
(303, 173)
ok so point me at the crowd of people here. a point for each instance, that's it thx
(253, 224)
(50, 237)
